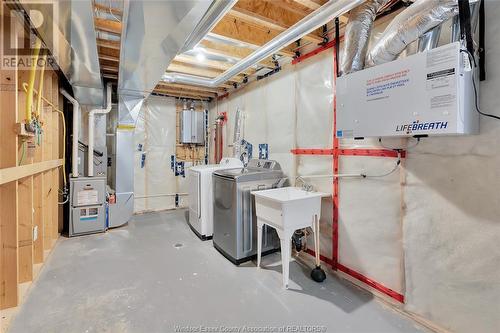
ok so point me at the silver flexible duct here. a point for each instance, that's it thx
(357, 34)
(409, 25)
(319, 17)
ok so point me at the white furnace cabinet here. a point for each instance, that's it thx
(428, 93)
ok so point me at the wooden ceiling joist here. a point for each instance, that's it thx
(309, 4)
(107, 9)
(178, 93)
(110, 76)
(291, 6)
(224, 50)
(192, 70)
(108, 58)
(219, 65)
(261, 21)
(183, 87)
(237, 29)
(109, 44)
(110, 26)
(178, 67)
(109, 69)
(187, 92)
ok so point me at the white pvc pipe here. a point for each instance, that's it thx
(76, 127)
(339, 175)
(159, 195)
(90, 156)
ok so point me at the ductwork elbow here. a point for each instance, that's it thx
(409, 25)
(357, 35)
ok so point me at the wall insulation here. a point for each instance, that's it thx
(155, 184)
(429, 230)
(282, 111)
(452, 218)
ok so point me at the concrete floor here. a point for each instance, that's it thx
(154, 275)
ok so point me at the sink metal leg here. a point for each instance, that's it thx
(285, 243)
(285, 259)
(315, 227)
(259, 241)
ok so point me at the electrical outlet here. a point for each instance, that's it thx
(35, 233)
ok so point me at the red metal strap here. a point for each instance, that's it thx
(348, 152)
(312, 151)
(371, 152)
(374, 284)
(335, 169)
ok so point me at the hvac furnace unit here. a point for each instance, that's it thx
(428, 93)
(87, 211)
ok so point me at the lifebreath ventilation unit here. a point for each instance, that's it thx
(428, 93)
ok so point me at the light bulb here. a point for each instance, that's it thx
(200, 57)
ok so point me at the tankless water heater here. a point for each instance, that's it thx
(428, 93)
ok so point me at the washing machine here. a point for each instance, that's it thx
(201, 195)
(235, 223)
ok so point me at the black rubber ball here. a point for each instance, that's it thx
(318, 274)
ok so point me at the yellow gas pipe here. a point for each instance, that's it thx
(40, 88)
(31, 82)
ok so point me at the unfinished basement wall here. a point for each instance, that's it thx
(428, 231)
(155, 184)
(155, 143)
(452, 217)
(282, 111)
(30, 172)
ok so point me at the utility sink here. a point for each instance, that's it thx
(287, 209)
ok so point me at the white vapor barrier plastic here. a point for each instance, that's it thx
(280, 121)
(155, 131)
(370, 220)
(452, 222)
(314, 101)
(269, 117)
(445, 220)
(308, 165)
(295, 102)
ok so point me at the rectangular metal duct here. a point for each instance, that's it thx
(153, 33)
(68, 31)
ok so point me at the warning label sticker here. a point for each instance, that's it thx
(87, 197)
(442, 55)
(441, 79)
(442, 101)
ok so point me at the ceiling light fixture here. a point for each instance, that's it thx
(200, 56)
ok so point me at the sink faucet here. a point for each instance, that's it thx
(280, 183)
(305, 186)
